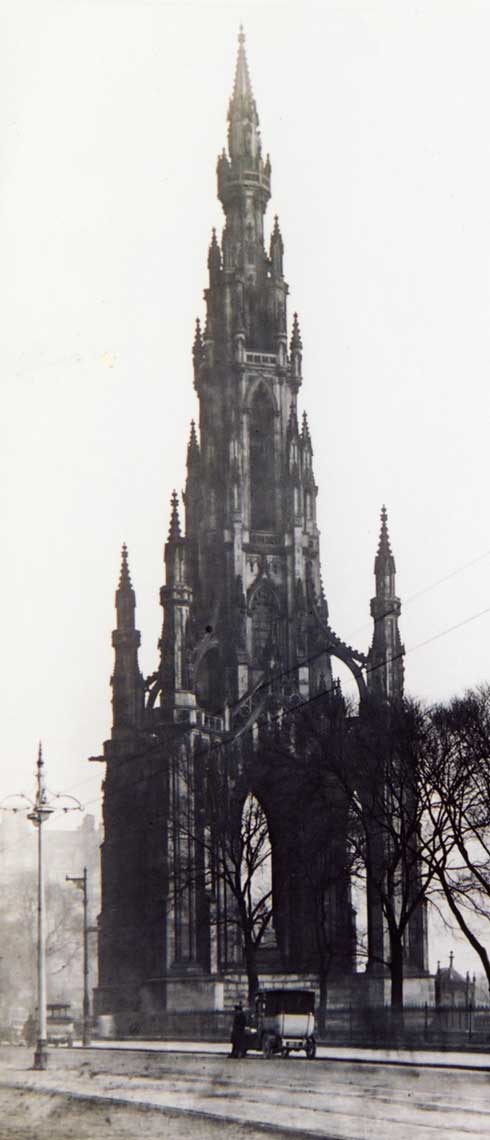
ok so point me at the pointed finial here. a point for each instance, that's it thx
(296, 342)
(40, 755)
(276, 249)
(192, 446)
(124, 577)
(214, 255)
(293, 428)
(305, 430)
(242, 87)
(384, 547)
(276, 236)
(198, 345)
(174, 528)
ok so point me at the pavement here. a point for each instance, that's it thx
(423, 1058)
(347, 1097)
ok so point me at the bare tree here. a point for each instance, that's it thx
(374, 764)
(457, 795)
(18, 940)
(225, 848)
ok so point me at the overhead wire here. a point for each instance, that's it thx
(283, 714)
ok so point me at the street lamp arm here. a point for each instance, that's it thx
(16, 796)
(77, 805)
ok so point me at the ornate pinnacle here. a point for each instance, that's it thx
(384, 547)
(276, 251)
(198, 346)
(305, 431)
(174, 528)
(242, 88)
(276, 235)
(384, 561)
(214, 255)
(293, 428)
(124, 577)
(192, 447)
(296, 342)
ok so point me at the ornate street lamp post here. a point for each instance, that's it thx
(41, 809)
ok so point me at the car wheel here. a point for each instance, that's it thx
(267, 1046)
(311, 1048)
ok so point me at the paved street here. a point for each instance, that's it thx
(333, 1099)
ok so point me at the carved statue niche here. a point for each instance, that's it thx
(264, 609)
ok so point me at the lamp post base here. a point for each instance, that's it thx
(41, 1055)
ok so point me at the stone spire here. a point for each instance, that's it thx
(384, 564)
(214, 259)
(243, 87)
(174, 532)
(305, 433)
(243, 136)
(192, 447)
(126, 681)
(124, 577)
(244, 166)
(296, 342)
(296, 351)
(176, 599)
(385, 670)
(276, 252)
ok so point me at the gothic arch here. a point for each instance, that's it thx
(357, 673)
(260, 382)
(262, 474)
(264, 609)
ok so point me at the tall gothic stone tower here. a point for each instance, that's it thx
(251, 549)
(243, 604)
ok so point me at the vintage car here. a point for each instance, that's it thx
(59, 1024)
(281, 1022)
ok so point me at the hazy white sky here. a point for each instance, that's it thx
(112, 115)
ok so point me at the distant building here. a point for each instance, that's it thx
(451, 989)
(67, 852)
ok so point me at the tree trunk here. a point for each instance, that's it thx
(322, 1008)
(396, 971)
(251, 968)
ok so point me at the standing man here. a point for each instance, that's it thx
(238, 1036)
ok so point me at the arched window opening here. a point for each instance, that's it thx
(348, 684)
(358, 886)
(209, 682)
(262, 462)
(264, 628)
